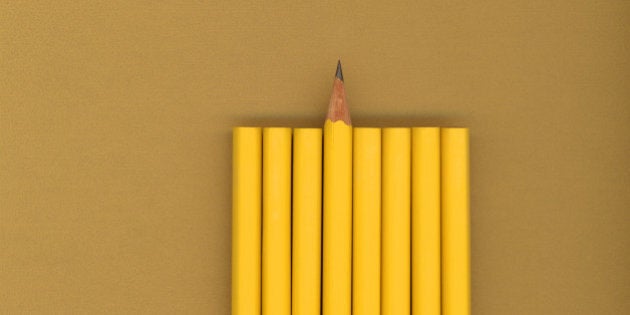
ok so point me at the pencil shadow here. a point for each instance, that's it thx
(358, 120)
(384, 121)
(275, 121)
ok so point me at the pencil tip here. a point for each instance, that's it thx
(338, 106)
(339, 74)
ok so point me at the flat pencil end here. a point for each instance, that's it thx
(339, 73)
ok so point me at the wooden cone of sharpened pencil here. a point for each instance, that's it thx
(343, 220)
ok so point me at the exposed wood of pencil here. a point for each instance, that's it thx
(338, 107)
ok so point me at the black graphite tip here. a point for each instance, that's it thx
(339, 74)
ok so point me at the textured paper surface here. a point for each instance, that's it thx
(115, 139)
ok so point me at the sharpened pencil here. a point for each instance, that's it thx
(337, 216)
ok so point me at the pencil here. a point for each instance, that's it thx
(276, 231)
(425, 221)
(337, 238)
(307, 221)
(246, 220)
(366, 223)
(455, 222)
(396, 226)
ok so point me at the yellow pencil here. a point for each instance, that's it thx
(337, 238)
(396, 225)
(366, 212)
(276, 239)
(425, 221)
(246, 220)
(307, 221)
(455, 222)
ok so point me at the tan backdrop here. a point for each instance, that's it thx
(115, 139)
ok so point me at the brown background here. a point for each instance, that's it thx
(115, 139)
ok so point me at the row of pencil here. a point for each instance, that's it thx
(403, 248)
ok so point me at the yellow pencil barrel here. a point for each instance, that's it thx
(366, 212)
(307, 221)
(246, 220)
(455, 222)
(276, 233)
(396, 225)
(425, 221)
(337, 238)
